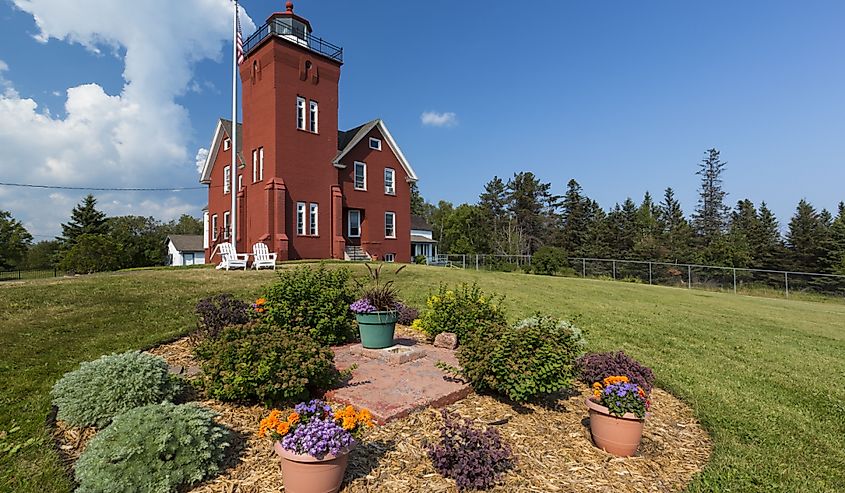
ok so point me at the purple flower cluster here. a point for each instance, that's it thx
(313, 408)
(317, 438)
(362, 306)
(623, 397)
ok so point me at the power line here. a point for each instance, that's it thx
(105, 189)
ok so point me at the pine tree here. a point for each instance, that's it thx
(417, 201)
(84, 219)
(833, 251)
(805, 237)
(647, 243)
(530, 201)
(770, 253)
(574, 219)
(677, 232)
(493, 203)
(710, 218)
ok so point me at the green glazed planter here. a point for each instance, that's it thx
(377, 328)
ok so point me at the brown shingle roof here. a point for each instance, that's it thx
(187, 243)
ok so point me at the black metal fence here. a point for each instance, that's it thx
(22, 274)
(279, 27)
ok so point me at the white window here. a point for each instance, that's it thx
(390, 225)
(300, 113)
(214, 227)
(390, 257)
(227, 179)
(389, 181)
(375, 143)
(354, 229)
(312, 219)
(260, 164)
(227, 144)
(360, 176)
(313, 115)
(226, 225)
(300, 218)
(254, 165)
(240, 182)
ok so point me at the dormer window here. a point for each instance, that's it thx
(227, 144)
(375, 143)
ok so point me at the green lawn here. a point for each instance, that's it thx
(763, 375)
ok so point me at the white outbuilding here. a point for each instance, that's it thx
(185, 250)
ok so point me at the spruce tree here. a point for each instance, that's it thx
(417, 201)
(647, 243)
(530, 203)
(84, 219)
(575, 220)
(833, 251)
(677, 232)
(710, 217)
(805, 237)
(770, 252)
(493, 203)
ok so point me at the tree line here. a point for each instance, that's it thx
(91, 241)
(521, 215)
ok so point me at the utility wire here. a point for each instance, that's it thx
(105, 189)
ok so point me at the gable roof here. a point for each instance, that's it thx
(419, 223)
(186, 243)
(346, 141)
(223, 130)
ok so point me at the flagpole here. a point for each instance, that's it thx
(234, 174)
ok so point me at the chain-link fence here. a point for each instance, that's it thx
(690, 276)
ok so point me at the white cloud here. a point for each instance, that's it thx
(202, 155)
(136, 138)
(435, 119)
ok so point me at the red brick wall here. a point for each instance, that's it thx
(374, 202)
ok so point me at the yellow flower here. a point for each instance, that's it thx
(293, 417)
(349, 422)
(615, 379)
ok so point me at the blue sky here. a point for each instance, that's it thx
(622, 96)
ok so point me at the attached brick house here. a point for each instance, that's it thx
(306, 189)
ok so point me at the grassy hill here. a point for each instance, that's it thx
(764, 376)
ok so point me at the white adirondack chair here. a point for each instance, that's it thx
(261, 257)
(230, 259)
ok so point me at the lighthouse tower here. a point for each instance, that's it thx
(290, 106)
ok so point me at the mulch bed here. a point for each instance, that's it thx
(550, 441)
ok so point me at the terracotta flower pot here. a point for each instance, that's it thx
(616, 435)
(307, 474)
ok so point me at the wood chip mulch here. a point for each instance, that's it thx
(550, 441)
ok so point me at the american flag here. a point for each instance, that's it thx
(239, 40)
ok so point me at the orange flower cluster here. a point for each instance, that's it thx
(598, 386)
(273, 424)
(350, 419)
(259, 305)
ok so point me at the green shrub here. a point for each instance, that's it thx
(261, 364)
(534, 357)
(99, 390)
(92, 253)
(421, 259)
(461, 310)
(547, 261)
(316, 298)
(157, 448)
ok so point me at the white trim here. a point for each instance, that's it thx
(227, 224)
(377, 141)
(355, 176)
(255, 165)
(227, 179)
(392, 189)
(227, 144)
(300, 106)
(214, 227)
(390, 257)
(313, 219)
(349, 223)
(313, 116)
(393, 224)
(205, 177)
(412, 177)
(300, 219)
(261, 163)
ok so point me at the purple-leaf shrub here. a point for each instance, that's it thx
(474, 458)
(407, 314)
(595, 367)
(218, 312)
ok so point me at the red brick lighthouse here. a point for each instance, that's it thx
(304, 188)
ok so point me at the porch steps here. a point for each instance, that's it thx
(355, 253)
